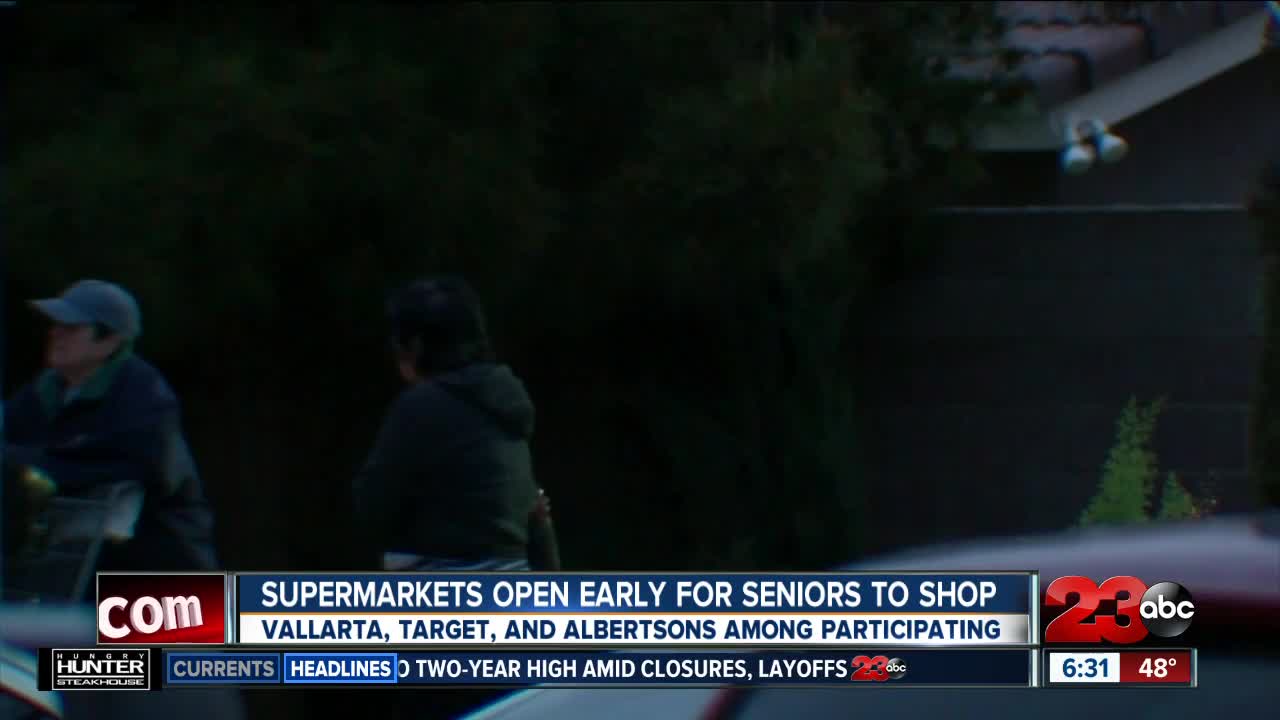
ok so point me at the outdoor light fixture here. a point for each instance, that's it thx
(1078, 157)
(1110, 147)
(1088, 142)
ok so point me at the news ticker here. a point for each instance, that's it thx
(164, 668)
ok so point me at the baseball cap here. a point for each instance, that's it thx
(95, 302)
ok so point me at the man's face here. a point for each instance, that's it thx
(407, 366)
(73, 350)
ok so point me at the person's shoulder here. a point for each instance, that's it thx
(423, 405)
(25, 391)
(27, 396)
(417, 399)
(140, 379)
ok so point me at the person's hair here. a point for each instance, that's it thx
(441, 319)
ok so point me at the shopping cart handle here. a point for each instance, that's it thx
(110, 513)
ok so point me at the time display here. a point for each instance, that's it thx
(1088, 668)
(1081, 667)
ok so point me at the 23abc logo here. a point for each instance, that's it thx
(1165, 610)
(877, 669)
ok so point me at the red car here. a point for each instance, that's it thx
(1230, 564)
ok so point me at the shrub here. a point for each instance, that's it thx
(1128, 475)
(1176, 503)
(1128, 478)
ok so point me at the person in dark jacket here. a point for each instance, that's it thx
(449, 482)
(101, 416)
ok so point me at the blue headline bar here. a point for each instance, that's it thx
(636, 593)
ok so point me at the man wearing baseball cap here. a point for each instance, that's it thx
(98, 416)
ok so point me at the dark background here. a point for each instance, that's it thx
(705, 242)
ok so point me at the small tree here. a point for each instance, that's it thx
(1130, 470)
(1128, 478)
(1176, 503)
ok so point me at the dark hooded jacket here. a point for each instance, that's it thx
(122, 426)
(450, 474)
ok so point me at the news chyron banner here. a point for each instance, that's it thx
(522, 610)
(569, 630)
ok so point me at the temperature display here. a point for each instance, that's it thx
(1172, 666)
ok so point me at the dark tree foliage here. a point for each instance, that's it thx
(675, 211)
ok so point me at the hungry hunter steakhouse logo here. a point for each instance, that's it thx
(93, 669)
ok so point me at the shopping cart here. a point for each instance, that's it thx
(59, 558)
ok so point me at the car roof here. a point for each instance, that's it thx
(1230, 564)
(615, 703)
(47, 625)
(1232, 560)
(18, 669)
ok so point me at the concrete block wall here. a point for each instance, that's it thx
(1001, 369)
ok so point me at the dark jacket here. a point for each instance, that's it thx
(450, 474)
(123, 425)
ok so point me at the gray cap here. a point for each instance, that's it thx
(95, 301)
